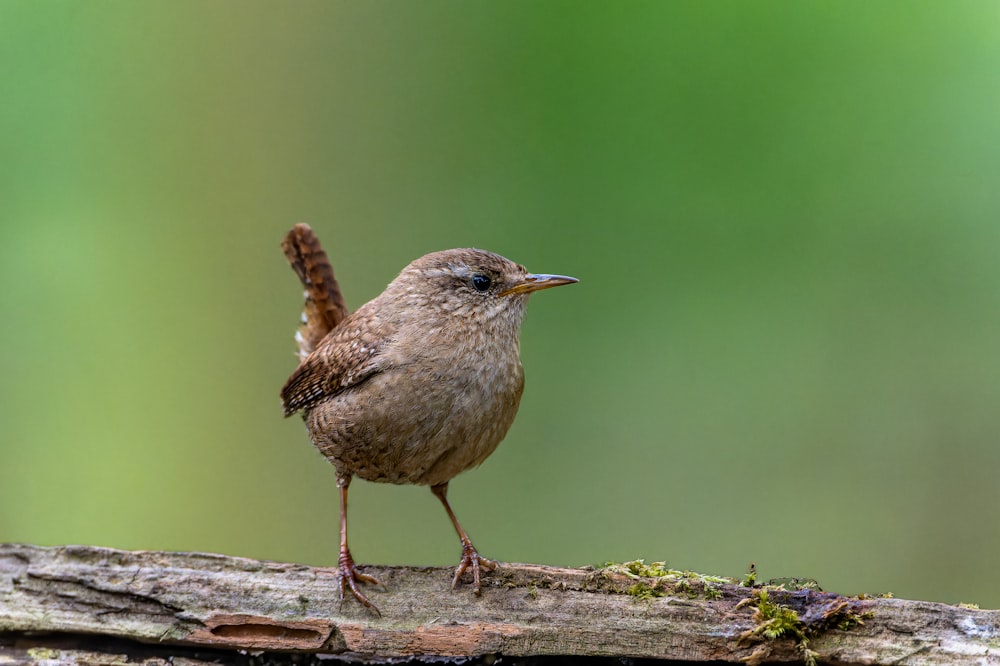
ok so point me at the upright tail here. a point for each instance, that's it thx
(324, 306)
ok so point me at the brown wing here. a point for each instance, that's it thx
(349, 355)
(324, 307)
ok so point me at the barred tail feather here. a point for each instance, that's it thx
(324, 304)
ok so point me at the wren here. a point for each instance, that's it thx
(417, 385)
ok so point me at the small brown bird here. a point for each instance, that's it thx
(417, 385)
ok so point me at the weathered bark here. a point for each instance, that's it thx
(66, 601)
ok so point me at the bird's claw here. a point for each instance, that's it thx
(348, 577)
(471, 559)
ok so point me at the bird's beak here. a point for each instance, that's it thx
(536, 281)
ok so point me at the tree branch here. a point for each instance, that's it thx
(192, 601)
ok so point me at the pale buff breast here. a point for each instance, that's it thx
(415, 424)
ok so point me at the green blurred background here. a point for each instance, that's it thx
(784, 348)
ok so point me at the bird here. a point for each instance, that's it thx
(417, 385)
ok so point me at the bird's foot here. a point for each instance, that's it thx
(348, 577)
(472, 560)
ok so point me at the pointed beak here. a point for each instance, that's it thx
(537, 281)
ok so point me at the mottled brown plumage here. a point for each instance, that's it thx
(420, 383)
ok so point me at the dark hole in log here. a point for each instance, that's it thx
(251, 630)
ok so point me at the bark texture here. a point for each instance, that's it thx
(71, 603)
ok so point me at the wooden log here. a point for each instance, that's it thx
(71, 600)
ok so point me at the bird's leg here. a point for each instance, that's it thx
(470, 556)
(348, 575)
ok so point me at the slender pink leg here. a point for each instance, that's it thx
(347, 574)
(470, 556)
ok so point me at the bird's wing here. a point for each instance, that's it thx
(350, 354)
(324, 303)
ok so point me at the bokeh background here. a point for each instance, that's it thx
(784, 348)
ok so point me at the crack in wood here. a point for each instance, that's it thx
(89, 593)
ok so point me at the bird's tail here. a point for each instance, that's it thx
(324, 306)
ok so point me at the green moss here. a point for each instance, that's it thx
(688, 583)
(639, 569)
(774, 620)
(777, 621)
(751, 577)
(643, 591)
(849, 620)
(43, 654)
(820, 612)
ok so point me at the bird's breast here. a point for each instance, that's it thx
(434, 412)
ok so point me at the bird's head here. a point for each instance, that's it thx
(471, 283)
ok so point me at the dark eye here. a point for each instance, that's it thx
(481, 282)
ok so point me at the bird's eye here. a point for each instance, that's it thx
(481, 282)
